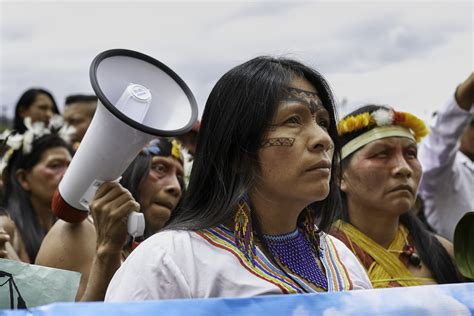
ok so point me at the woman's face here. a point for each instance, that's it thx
(41, 110)
(296, 152)
(43, 179)
(383, 176)
(161, 191)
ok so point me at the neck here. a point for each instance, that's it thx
(381, 229)
(43, 212)
(275, 217)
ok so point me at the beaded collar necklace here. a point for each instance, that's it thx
(294, 252)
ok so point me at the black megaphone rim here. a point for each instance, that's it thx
(111, 108)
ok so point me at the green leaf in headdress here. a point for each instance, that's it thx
(464, 245)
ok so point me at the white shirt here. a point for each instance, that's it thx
(447, 185)
(186, 264)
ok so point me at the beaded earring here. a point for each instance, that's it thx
(243, 230)
(309, 228)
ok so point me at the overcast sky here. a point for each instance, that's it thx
(407, 54)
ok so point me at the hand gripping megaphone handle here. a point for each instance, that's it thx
(136, 221)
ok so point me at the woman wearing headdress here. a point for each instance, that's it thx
(380, 178)
(262, 174)
(32, 169)
(97, 246)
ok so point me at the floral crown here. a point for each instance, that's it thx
(154, 147)
(385, 123)
(24, 141)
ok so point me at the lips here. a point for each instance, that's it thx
(403, 187)
(166, 204)
(323, 165)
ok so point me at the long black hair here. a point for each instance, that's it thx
(26, 100)
(237, 114)
(430, 250)
(17, 201)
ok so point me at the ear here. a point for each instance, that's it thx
(22, 178)
(343, 183)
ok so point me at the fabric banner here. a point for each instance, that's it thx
(34, 285)
(450, 299)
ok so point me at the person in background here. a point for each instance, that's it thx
(7, 234)
(31, 171)
(97, 246)
(79, 110)
(36, 103)
(447, 157)
(380, 177)
(262, 178)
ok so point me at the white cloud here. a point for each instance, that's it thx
(388, 51)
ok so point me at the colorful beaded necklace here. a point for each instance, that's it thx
(294, 252)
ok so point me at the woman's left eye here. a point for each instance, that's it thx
(323, 123)
(412, 153)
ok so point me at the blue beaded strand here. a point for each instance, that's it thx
(295, 252)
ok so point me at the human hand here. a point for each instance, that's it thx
(110, 209)
(465, 93)
(4, 239)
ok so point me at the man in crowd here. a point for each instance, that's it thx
(78, 112)
(447, 157)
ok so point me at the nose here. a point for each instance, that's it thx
(172, 187)
(401, 168)
(320, 140)
(49, 114)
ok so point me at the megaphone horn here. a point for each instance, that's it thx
(139, 98)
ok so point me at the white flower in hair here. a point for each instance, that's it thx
(383, 117)
(37, 128)
(66, 132)
(56, 122)
(15, 141)
(5, 134)
(28, 138)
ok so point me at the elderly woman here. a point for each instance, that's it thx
(262, 173)
(380, 177)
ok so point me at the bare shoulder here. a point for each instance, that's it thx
(446, 244)
(68, 246)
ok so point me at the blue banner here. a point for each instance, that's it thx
(450, 299)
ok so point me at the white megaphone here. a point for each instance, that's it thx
(139, 98)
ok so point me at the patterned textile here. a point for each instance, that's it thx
(386, 267)
(336, 274)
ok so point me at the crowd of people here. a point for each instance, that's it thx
(282, 197)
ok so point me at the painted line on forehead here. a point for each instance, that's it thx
(310, 99)
(279, 141)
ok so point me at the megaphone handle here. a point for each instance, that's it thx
(136, 224)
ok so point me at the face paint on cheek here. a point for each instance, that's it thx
(279, 141)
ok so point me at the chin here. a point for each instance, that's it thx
(318, 196)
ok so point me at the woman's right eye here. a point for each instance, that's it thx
(293, 120)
